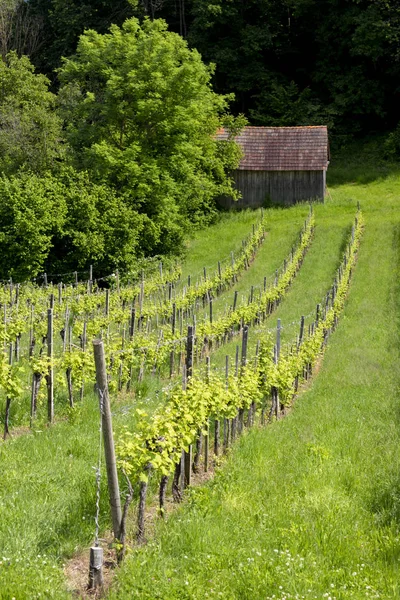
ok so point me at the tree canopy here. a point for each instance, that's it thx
(141, 117)
(30, 129)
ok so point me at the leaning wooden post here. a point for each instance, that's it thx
(111, 465)
(50, 372)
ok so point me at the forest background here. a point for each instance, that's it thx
(107, 151)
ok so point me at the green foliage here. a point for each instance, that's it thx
(32, 212)
(342, 58)
(141, 117)
(392, 143)
(159, 441)
(50, 223)
(283, 105)
(30, 130)
(99, 228)
(63, 21)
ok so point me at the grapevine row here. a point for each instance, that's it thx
(266, 384)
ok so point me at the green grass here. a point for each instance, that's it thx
(308, 507)
(47, 501)
(215, 243)
(282, 232)
(302, 504)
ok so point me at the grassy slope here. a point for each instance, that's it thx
(47, 495)
(310, 506)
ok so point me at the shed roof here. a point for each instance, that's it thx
(282, 148)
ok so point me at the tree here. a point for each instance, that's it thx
(99, 229)
(65, 20)
(341, 55)
(62, 223)
(20, 29)
(30, 130)
(141, 116)
(32, 211)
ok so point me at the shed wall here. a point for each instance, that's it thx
(259, 188)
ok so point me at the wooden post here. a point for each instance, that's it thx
(301, 331)
(211, 310)
(235, 300)
(275, 395)
(112, 476)
(189, 351)
(226, 421)
(83, 346)
(245, 337)
(96, 568)
(107, 308)
(278, 338)
(90, 279)
(50, 373)
(207, 437)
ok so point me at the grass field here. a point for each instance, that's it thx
(47, 501)
(308, 507)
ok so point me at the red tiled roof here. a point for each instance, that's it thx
(282, 148)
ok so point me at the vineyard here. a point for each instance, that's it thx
(202, 359)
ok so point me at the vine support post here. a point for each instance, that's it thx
(111, 465)
(96, 568)
(90, 287)
(301, 331)
(278, 338)
(189, 351)
(207, 437)
(235, 300)
(317, 314)
(83, 346)
(50, 372)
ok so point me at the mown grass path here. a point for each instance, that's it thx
(310, 506)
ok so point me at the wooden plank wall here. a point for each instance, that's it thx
(261, 188)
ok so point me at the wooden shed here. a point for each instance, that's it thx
(281, 165)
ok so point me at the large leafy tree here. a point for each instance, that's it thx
(30, 130)
(141, 117)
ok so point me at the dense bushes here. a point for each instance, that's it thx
(63, 223)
